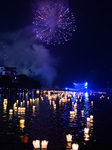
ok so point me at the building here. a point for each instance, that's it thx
(79, 87)
(9, 71)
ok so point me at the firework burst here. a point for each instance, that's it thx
(54, 24)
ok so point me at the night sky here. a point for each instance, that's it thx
(88, 50)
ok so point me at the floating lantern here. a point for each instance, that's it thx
(15, 108)
(75, 104)
(75, 146)
(30, 100)
(82, 113)
(50, 102)
(10, 111)
(21, 104)
(14, 105)
(5, 107)
(37, 99)
(5, 101)
(24, 139)
(49, 98)
(33, 100)
(91, 103)
(68, 145)
(86, 130)
(88, 119)
(91, 118)
(44, 144)
(27, 102)
(33, 108)
(17, 101)
(36, 143)
(37, 92)
(68, 99)
(19, 109)
(22, 121)
(54, 105)
(42, 98)
(75, 111)
(69, 138)
(72, 113)
(86, 137)
(22, 126)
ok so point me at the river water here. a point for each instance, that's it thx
(48, 116)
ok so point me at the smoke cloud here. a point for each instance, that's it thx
(23, 51)
(41, 3)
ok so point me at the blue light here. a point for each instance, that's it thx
(86, 84)
(75, 83)
(86, 95)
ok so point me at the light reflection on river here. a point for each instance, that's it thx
(46, 116)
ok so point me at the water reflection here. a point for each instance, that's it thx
(50, 115)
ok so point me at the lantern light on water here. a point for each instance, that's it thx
(37, 92)
(42, 98)
(82, 113)
(22, 121)
(15, 108)
(54, 106)
(44, 144)
(33, 108)
(75, 111)
(33, 100)
(36, 143)
(72, 113)
(10, 111)
(69, 138)
(5, 101)
(91, 103)
(22, 126)
(17, 103)
(86, 137)
(91, 118)
(75, 104)
(5, 107)
(88, 119)
(30, 100)
(24, 139)
(75, 146)
(21, 104)
(27, 102)
(86, 130)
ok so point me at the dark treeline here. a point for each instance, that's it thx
(21, 81)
